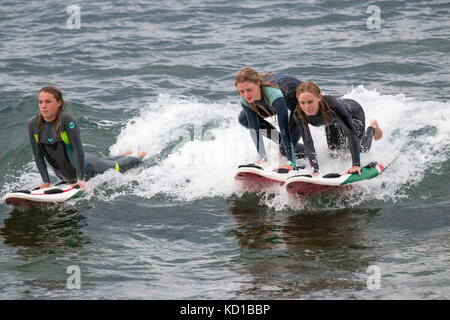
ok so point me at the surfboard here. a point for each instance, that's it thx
(305, 183)
(43, 197)
(257, 176)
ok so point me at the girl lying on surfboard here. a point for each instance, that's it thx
(344, 122)
(55, 136)
(264, 95)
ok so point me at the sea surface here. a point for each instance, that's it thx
(157, 76)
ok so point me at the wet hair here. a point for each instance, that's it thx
(324, 107)
(251, 75)
(57, 94)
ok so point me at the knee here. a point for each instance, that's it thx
(282, 150)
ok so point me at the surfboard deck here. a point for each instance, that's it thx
(305, 183)
(42, 197)
(255, 176)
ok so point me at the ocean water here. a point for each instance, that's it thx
(158, 76)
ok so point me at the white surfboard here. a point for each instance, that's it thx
(46, 196)
(305, 183)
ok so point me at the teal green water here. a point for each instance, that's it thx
(136, 74)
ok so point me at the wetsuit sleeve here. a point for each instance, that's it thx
(70, 125)
(253, 125)
(308, 142)
(346, 123)
(280, 107)
(38, 156)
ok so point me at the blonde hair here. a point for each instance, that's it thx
(251, 75)
(311, 87)
(57, 94)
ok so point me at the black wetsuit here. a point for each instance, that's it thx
(65, 153)
(281, 101)
(345, 128)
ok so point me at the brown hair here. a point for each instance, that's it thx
(251, 75)
(57, 94)
(311, 87)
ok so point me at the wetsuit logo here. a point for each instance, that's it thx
(50, 140)
(71, 125)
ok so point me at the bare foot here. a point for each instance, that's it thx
(127, 153)
(378, 132)
(142, 154)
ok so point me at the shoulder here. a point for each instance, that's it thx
(32, 125)
(243, 102)
(333, 102)
(329, 99)
(67, 119)
(32, 121)
(273, 93)
(67, 116)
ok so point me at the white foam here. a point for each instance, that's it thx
(27, 180)
(203, 162)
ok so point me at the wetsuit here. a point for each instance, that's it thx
(280, 102)
(345, 128)
(65, 153)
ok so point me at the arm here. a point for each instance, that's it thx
(280, 107)
(70, 125)
(308, 143)
(38, 156)
(253, 125)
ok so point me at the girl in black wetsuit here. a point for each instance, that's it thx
(265, 95)
(344, 122)
(55, 136)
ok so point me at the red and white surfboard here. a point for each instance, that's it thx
(297, 182)
(257, 176)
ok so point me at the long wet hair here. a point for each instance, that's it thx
(251, 75)
(324, 107)
(57, 94)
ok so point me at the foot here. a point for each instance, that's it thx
(287, 167)
(378, 132)
(142, 154)
(127, 153)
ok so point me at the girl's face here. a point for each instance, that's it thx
(309, 103)
(250, 91)
(48, 106)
